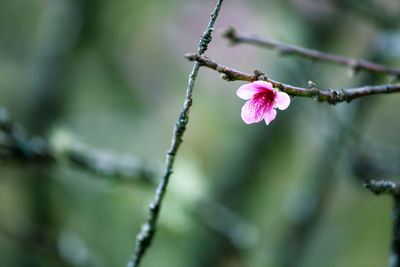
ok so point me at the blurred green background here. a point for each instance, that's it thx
(111, 75)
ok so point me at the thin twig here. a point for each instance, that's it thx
(286, 49)
(382, 187)
(331, 96)
(146, 234)
(393, 189)
(15, 145)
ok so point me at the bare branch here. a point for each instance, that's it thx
(286, 49)
(64, 148)
(331, 96)
(15, 144)
(146, 234)
(389, 187)
(382, 187)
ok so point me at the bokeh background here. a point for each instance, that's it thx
(109, 77)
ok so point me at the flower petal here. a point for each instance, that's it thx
(263, 85)
(249, 114)
(269, 115)
(282, 100)
(247, 91)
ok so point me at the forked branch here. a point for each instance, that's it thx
(331, 96)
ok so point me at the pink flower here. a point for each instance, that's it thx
(262, 101)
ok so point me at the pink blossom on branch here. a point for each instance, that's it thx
(262, 101)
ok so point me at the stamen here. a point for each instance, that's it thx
(261, 102)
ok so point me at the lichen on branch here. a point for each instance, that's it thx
(145, 236)
(331, 96)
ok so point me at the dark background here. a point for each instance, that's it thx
(111, 75)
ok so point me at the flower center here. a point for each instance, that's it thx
(261, 102)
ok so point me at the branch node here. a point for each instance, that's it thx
(227, 78)
(355, 65)
(311, 85)
(190, 56)
(382, 187)
(315, 93)
(259, 75)
(338, 96)
(230, 34)
(220, 69)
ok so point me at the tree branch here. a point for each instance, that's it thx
(286, 49)
(63, 148)
(15, 144)
(331, 96)
(389, 187)
(146, 234)
(382, 187)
